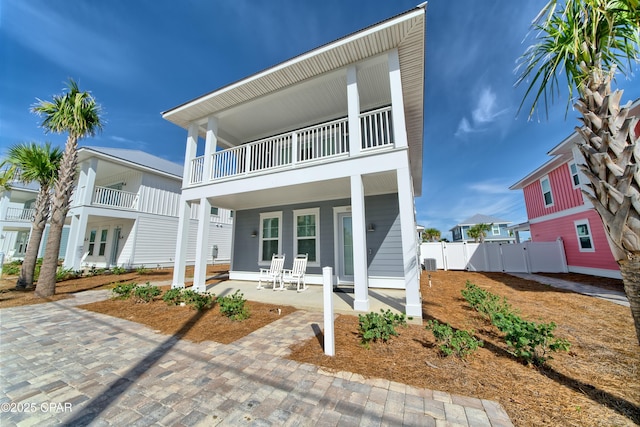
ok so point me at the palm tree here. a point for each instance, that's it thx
(431, 235)
(78, 114)
(589, 41)
(29, 162)
(478, 232)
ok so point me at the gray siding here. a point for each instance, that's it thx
(385, 243)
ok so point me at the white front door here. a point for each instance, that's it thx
(345, 248)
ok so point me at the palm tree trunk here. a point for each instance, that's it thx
(37, 230)
(59, 207)
(630, 270)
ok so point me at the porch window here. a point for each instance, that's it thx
(103, 242)
(92, 241)
(546, 191)
(270, 236)
(573, 168)
(214, 211)
(583, 232)
(306, 232)
(495, 230)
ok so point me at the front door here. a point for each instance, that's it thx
(345, 248)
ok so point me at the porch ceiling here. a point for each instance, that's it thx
(380, 183)
(311, 88)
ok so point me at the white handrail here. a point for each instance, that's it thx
(19, 214)
(105, 196)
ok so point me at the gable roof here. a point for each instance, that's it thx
(482, 219)
(137, 158)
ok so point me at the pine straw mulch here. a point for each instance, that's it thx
(596, 383)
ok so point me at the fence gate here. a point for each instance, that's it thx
(527, 257)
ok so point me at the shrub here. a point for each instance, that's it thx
(529, 341)
(142, 270)
(172, 296)
(118, 270)
(65, 274)
(123, 290)
(459, 342)
(374, 327)
(200, 300)
(146, 293)
(11, 269)
(526, 340)
(233, 307)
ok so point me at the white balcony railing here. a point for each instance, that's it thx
(19, 214)
(104, 196)
(313, 143)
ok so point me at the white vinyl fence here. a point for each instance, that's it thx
(527, 257)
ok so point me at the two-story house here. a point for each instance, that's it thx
(498, 229)
(318, 155)
(557, 209)
(124, 212)
(16, 214)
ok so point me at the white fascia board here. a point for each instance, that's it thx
(556, 215)
(539, 172)
(129, 164)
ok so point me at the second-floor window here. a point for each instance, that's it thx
(495, 230)
(583, 232)
(270, 235)
(575, 179)
(546, 191)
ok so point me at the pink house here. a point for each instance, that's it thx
(557, 209)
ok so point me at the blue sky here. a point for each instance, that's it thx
(141, 57)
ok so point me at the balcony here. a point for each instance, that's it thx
(320, 143)
(18, 214)
(109, 197)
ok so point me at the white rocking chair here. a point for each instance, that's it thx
(273, 273)
(297, 272)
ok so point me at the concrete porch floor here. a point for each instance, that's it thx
(311, 299)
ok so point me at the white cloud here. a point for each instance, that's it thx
(129, 143)
(491, 186)
(486, 112)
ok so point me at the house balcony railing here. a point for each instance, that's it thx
(325, 141)
(19, 214)
(104, 196)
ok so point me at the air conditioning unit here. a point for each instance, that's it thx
(429, 264)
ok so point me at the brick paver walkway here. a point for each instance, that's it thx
(63, 365)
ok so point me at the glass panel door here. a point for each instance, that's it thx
(345, 261)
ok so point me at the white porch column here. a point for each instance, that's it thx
(202, 246)
(4, 208)
(181, 243)
(87, 182)
(397, 102)
(409, 243)
(75, 246)
(353, 108)
(190, 153)
(210, 146)
(360, 272)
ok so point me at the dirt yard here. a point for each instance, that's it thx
(596, 383)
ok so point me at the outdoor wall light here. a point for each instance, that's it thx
(254, 234)
(371, 227)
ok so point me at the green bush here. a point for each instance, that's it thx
(459, 342)
(374, 327)
(118, 270)
(526, 340)
(529, 341)
(146, 293)
(123, 290)
(11, 269)
(485, 302)
(65, 274)
(142, 270)
(173, 296)
(200, 300)
(233, 307)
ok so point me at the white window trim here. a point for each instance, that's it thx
(263, 216)
(310, 211)
(584, 222)
(550, 192)
(571, 174)
(493, 229)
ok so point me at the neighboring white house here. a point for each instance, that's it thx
(321, 154)
(16, 214)
(124, 212)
